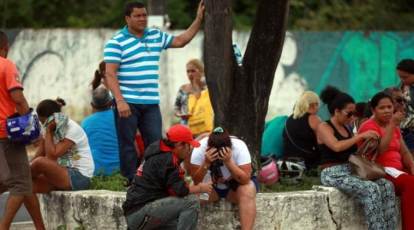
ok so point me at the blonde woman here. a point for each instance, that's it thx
(299, 134)
(192, 104)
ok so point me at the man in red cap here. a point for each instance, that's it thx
(159, 196)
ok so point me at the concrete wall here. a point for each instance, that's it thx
(320, 208)
(61, 62)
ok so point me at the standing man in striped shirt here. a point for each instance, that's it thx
(132, 64)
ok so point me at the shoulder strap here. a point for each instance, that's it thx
(294, 144)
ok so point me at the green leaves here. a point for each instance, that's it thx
(304, 14)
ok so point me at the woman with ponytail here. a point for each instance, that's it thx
(65, 149)
(63, 160)
(336, 144)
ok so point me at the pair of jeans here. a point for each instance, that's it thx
(146, 119)
(167, 213)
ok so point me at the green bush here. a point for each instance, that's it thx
(115, 182)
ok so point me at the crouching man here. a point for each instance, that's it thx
(226, 160)
(158, 197)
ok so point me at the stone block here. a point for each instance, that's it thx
(320, 208)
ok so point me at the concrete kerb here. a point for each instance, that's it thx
(320, 208)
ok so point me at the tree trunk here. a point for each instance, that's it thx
(240, 94)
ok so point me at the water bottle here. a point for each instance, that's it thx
(207, 179)
(237, 54)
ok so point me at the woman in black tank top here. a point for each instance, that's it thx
(299, 134)
(336, 143)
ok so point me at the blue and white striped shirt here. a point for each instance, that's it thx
(138, 60)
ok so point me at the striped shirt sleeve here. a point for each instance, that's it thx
(112, 52)
(166, 40)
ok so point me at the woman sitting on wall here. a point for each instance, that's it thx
(393, 153)
(63, 160)
(299, 134)
(336, 144)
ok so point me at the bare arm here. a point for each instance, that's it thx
(52, 150)
(21, 104)
(389, 132)
(113, 84)
(201, 187)
(185, 37)
(314, 121)
(326, 136)
(386, 139)
(112, 80)
(199, 171)
(40, 151)
(241, 173)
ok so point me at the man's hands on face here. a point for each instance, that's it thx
(211, 155)
(225, 154)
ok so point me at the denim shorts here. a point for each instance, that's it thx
(222, 193)
(77, 180)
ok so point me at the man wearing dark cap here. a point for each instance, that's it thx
(405, 70)
(101, 132)
(158, 197)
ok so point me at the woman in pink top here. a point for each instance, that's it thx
(393, 153)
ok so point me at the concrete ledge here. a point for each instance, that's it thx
(320, 208)
(24, 225)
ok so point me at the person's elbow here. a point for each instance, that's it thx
(179, 42)
(20, 101)
(244, 180)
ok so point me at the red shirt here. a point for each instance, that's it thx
(391, 157)
(9, 80)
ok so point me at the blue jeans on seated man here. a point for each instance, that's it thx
(145, 118)
(166, 213)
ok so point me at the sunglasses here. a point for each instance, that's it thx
(350, 114)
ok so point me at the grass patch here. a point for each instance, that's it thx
(115, 182)
(308, 180)
(286, 186)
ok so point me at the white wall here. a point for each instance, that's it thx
(61, 62)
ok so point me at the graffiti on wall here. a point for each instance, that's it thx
(61, 63)
(356, 62)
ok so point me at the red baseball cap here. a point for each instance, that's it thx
(181, 133)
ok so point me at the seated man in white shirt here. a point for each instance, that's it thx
(226, 160)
